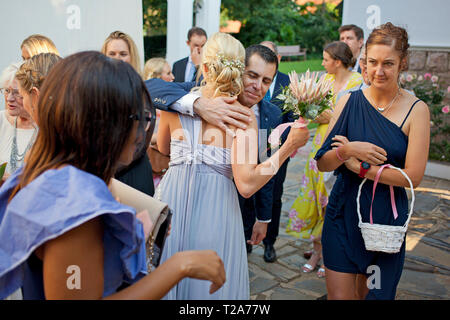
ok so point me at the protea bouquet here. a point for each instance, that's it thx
(308, 96)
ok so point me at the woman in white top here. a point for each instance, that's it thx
(17, 130)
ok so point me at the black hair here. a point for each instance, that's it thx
(265, 53)
(359, 33)
(339, 50)
(197, 31)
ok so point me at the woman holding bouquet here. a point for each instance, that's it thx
(380, 124)
(307, 213)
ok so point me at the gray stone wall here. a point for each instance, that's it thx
(434, 62)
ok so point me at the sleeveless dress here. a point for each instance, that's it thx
(342, 243)
(199, 189)
(52, 204)
(307, 212)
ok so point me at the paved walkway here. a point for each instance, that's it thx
(426, 274)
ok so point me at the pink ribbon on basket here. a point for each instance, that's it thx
(275, 135)
(391, 189)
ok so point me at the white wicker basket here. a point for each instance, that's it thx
(384, 238)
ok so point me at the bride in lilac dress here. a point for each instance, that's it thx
(199, 186)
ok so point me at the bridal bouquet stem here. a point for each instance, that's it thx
(307, 97)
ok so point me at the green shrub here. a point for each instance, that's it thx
(291, 24)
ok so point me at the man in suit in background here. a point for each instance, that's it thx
(280, 80)
(185, 70)
(353, 36)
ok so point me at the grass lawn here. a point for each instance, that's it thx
(301, 66)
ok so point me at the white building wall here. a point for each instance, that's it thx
(179, 21)
(73, 25)
(208, 16)
(427, 21)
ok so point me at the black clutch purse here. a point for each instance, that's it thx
(155, 242)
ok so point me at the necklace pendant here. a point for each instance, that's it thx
(380, 109)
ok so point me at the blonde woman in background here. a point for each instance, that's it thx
(36, 44)
(120, 46)
(30, 77)
(157, 68)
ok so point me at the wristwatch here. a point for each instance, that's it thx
(363, 168)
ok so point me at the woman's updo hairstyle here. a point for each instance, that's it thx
(393, 36)
(223, 57)
(33, 71)
(339, 50)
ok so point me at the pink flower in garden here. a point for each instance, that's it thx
(448, 89)
(427, 76)
(446, 109)
(409, 78)
(434, 79)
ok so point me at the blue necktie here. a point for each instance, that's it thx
(267, 96)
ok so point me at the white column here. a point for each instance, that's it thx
(179, 21)
(208, 16)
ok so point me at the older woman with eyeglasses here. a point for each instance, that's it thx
(17, 130)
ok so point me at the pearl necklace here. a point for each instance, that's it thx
(380, 109)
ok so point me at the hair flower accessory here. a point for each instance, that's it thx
(230, 62)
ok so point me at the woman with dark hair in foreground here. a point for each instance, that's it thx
(93, 112)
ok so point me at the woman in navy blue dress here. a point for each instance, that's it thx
(378, 125)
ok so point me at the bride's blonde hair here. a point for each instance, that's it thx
(222, 65)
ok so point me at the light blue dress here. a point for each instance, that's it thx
(54, 203)
(198, 187)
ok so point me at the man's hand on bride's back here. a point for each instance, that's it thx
(222, 112)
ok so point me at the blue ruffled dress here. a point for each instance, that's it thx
(55, 202)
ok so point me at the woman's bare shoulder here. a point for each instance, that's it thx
(410, 100)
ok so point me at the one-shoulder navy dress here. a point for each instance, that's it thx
(343, 245)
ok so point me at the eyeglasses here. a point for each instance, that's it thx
(9, 91)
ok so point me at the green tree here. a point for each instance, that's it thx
(155, 17)
(284, 22)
